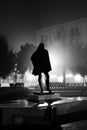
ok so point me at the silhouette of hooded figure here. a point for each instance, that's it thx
(41, 62)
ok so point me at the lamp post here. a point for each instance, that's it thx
(64, 75)
(64, 56)
(15, 76)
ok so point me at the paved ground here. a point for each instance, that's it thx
(80, 125)
(22, 93)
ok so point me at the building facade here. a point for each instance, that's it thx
(67, 34)
(74, 32)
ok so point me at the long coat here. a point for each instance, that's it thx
(41, 62)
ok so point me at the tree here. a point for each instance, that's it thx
(23, 57)
(6, 58)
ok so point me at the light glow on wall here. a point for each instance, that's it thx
(29, 79)
(56, 58)
(60, 79)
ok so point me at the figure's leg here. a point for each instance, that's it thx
(47, 81)
(40, 83)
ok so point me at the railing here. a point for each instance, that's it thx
(70, 89)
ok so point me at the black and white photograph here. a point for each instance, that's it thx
(43, 64)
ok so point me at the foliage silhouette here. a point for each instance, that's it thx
(23, 57)
(7, 58)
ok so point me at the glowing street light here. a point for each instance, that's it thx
(77, 78)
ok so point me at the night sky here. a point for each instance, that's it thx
(19, 19)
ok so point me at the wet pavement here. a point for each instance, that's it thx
(63, 106)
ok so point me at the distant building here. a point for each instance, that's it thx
(63, 36)
(74, 32)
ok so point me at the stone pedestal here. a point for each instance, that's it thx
(45, 97)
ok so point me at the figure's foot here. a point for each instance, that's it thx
(49, 91)
(41, 91)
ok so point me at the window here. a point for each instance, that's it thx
(75, 32)
(44, 38)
